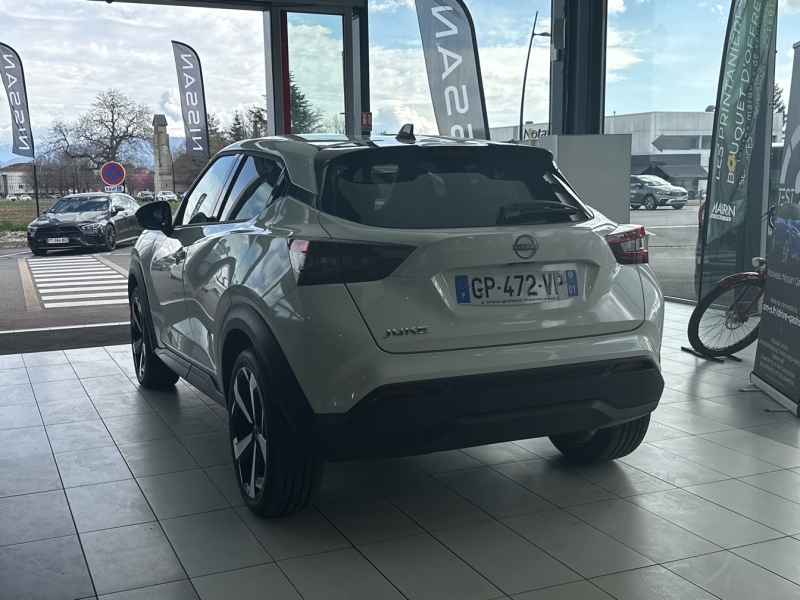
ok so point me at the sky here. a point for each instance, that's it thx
(662, 55)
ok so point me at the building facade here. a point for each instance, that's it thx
(16, 179)
(673, 145)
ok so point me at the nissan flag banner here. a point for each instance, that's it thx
(14, 84)
(454, 73)
(777, 364)
(743, 75)
(193, 100)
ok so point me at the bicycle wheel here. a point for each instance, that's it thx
(726, 320)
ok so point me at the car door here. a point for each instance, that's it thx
(168, 262)
(634, 189)
(118, 218)
(213, 262)
(131, 206)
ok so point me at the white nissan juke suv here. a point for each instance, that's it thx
(349, 298)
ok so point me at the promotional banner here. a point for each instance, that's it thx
(454, 72)
(193, 100)
(14, 83)
(743, 75)
(777, 365)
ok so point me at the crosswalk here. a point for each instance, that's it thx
(77, 281)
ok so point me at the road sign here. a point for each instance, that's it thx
(673, 142)
(112, 173)
(115, 188)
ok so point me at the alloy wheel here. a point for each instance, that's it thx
(111, 238)
(650, 203)
(137, 336)
(248, 433)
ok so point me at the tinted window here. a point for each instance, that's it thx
(652, 180)
(200, 203)
(90, 204)
(252, 188)
(441, 187)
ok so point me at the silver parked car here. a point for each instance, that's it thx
(346, 298)
(651, 192)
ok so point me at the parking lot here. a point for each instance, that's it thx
(59, 294)
(672, 246)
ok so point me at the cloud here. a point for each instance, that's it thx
(390, 5)
(789, 5)
(621, 54)
(74, 49)
(616, 6)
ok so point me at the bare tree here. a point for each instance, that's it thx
(115, 128)
(334, 124)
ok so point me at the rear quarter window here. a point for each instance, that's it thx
(448, 187)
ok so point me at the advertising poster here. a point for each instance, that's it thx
(14, 84)
(454, 73)
(193, 100)
(777, 365)
(743, 75)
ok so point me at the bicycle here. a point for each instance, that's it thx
(726, 320)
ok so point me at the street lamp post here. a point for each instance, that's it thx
(525, 76)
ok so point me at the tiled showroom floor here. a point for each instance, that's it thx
(111, 491)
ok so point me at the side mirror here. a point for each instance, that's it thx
(117, 209)
(639, 185)
(156, 216)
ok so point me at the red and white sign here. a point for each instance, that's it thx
(112, 173)
(366, 121)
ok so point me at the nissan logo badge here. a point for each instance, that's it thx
(525, 246)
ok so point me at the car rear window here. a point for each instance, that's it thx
(418, 187)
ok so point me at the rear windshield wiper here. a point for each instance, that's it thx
(543, 210)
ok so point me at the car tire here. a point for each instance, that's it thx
(38, 251)
(650, 203)
(678, 206)
(151, 372)
(602, 445)
(264, 448)
(110, 238)
(636, 206)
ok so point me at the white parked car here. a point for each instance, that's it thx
(25, 198)
(391, 297)
(11, 198)
(166, 196)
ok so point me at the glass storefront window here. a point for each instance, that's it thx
(661, 83)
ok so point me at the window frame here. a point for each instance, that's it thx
(222, 202)
(226, 183)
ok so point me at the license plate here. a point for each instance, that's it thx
(58, 240)
(516, 288)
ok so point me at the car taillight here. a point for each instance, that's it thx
(317, 262)
(629, 244)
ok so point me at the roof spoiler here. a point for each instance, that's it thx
(406, 133)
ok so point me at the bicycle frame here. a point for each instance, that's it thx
(757, 275)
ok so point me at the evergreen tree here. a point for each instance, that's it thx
(257, 122)
(778, 105)
(238, 129)
(305, 117)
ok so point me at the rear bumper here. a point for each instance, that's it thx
(444, 414)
